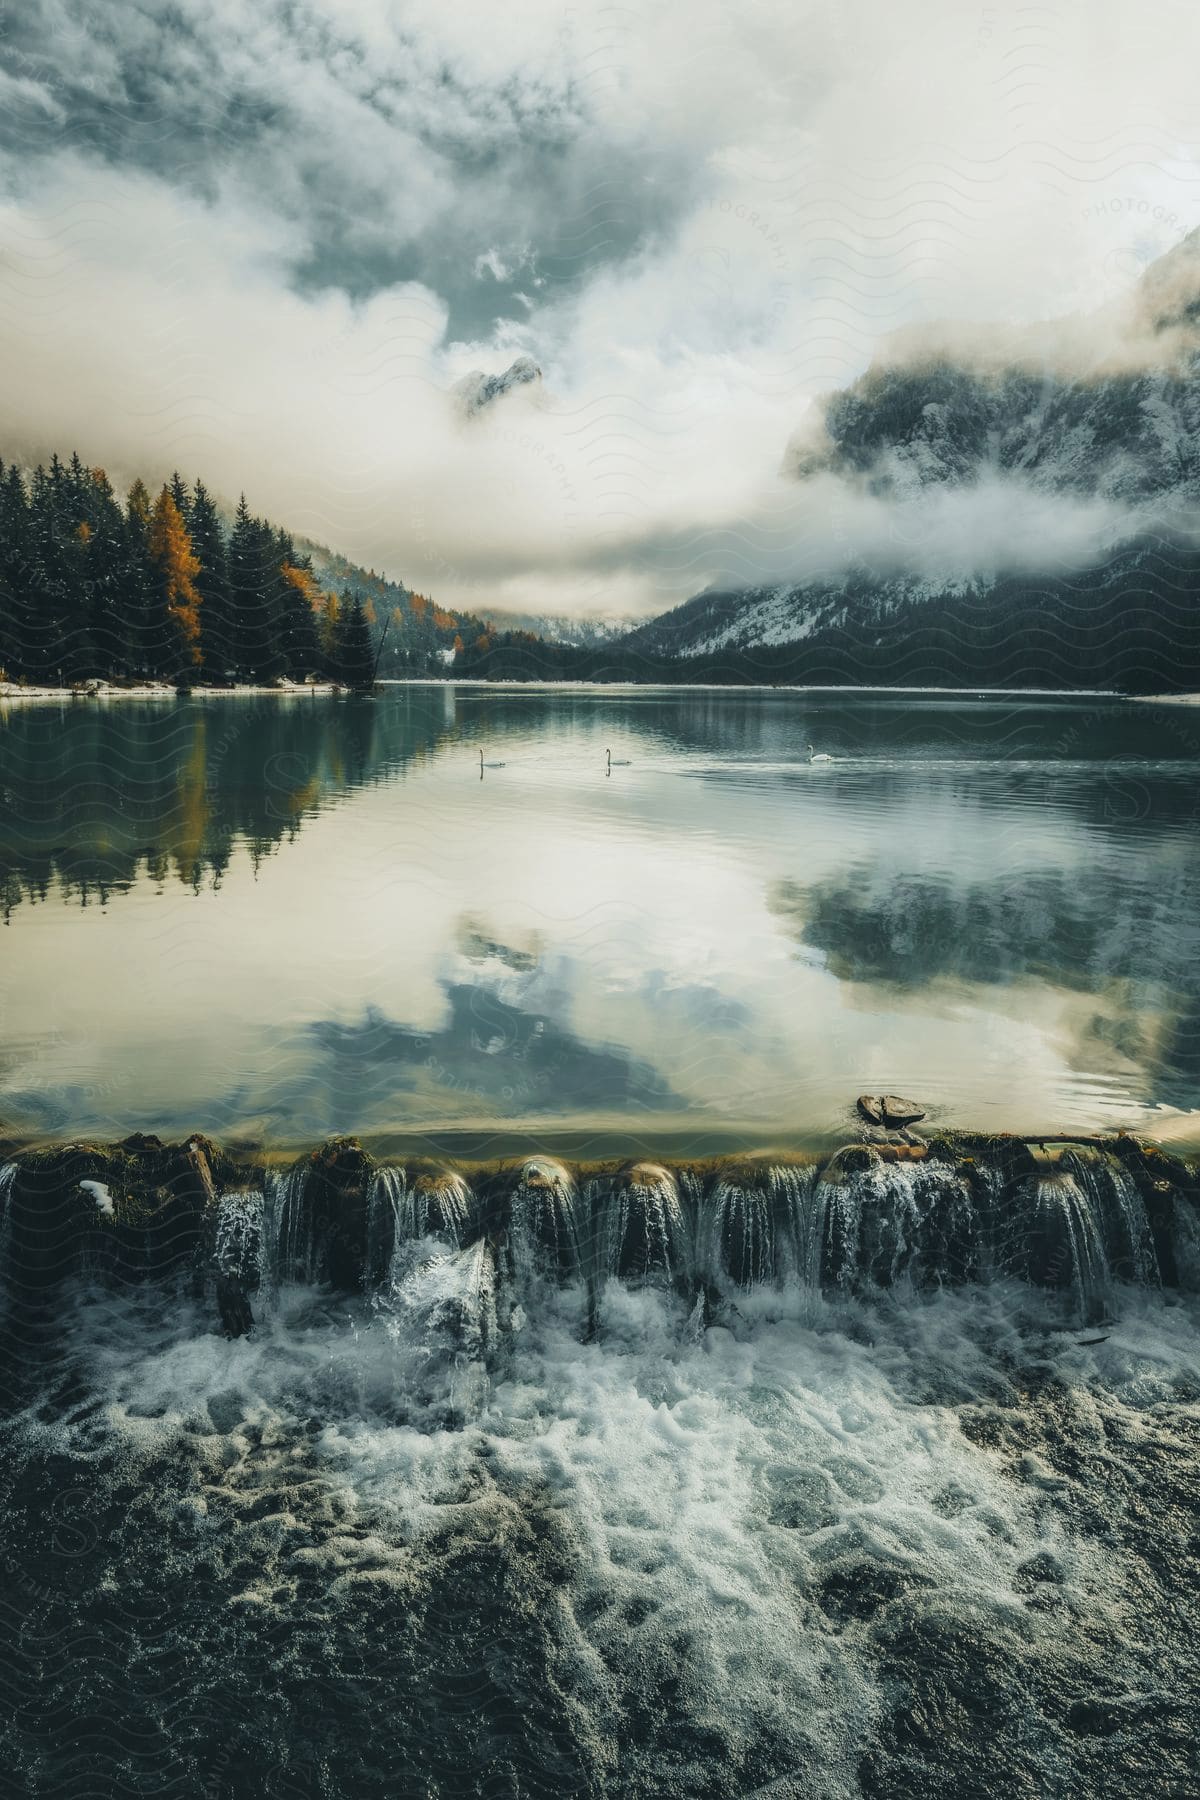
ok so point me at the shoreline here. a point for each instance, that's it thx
(166, 691)
(163, 690)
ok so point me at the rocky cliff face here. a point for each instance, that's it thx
(1100, 413)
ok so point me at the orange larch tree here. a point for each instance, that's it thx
(178, 567)
(304, 582)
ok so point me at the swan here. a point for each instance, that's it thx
(818, 755)
(483, 765)
(619, 762)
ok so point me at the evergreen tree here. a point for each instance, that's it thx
(108, 582)
(254, 584)
(147, 618)
(15, 621)
(217, 626)
(56, 646)
(181, 497)
(239, 563)
(298, 633)
(354, 654)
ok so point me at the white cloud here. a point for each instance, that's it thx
(702, 218)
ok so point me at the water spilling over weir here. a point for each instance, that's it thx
(868, 1476)
(1079, 1218)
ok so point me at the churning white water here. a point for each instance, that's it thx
(862, 1481)
(739, 1510)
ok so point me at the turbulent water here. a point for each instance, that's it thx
(781, 1484)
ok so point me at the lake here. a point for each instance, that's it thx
(275, 917)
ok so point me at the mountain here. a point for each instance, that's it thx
(1022, 505)
(337, 572)
(585, 631)
(477, 391)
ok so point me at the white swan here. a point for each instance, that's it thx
(483, 765)
(818, 755)
(619, 762)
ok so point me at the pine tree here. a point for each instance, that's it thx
(56, 594)
(181, 497)
(298, 638)
(171, 552)
(240, 566)
(354, 654)
(217, 625)
(14, 573)
(147, 637)
(255, 581)
(107, 553)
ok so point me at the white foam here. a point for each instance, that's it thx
(100, 1194)
(708, 1481)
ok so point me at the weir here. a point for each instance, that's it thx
(403, 1206)
(640, 1224)
(1080, 1218)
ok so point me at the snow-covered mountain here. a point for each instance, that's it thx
(995, 481)
(586, 631)
(477, 391)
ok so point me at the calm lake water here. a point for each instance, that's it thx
(281, 917)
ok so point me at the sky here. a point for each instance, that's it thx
(264, 243)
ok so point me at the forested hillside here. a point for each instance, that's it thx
(163, 587)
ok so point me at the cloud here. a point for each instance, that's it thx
(391, 143)
(511, 1057)
(264, 244)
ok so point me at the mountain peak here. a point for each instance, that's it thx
(477, 391)
(1169, 290)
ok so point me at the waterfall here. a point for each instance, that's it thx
(1075, 1257)
(1008, 1209)
(238, 1246)
(1081, 1218)
(642, 1232)
(839, 1201)
(441, 1203)
(543, 1227)
(386, 1199)
(291, 1248)
(945, 1225)
(889, 1223)
(444, 1303)
(1091, 1229)
(1114, 1199)
(399, 1212)
(738, 1244)
(8, 1175)
(440, 1314)
(889, 1220)
(800, 1203)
